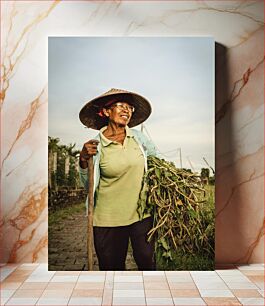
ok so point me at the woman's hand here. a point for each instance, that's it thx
(89, 149)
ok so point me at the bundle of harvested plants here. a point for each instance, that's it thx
(176, 199)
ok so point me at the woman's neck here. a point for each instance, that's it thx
(115, 133)
(114, 130)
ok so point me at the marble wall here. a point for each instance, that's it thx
(238, 30)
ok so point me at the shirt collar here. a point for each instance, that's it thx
(129, 132)
(105, 141)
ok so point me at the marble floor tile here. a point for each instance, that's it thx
(109, 285)
(60, 286)
(41, 271)
(130, 286)
(155, 278)
(5, 271)
(4, 274)
(241, 285)
(255, 278)
(30, 284)
(87, 293)
(91, 278)
(15, 278)
(156, 285)
(203, 273)
(3, 300)
(261, 292)
(188, 301)
(149, 293)
(10, 285)
(216, 293)
(22, 301)
(232, 272)
(182, 293)
(85, 301)
(177, 285)
(53, 301)
(64, 279)
(128, 279)
(253, 272)
(123, 301)
(128, 293)
(179, 279)
(153, 273)
(250, 267)
(56, 294)
(218, 301)
(177, 273)
(246, 293)
(159, 301)
(212, 285)
(89, 285)
(260, 285)
(235, 279)
(107, 297)
(39, 278)
(21, 272)
(129, 273)
(251, 301)
(109, 277)
(6, 293)
(28, 293)
(71, 273)
(210, 278)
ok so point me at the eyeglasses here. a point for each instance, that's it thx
(123, 106)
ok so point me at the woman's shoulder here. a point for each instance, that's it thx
(147, 143)
(138, 134)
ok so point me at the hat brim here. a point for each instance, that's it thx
(89, 113)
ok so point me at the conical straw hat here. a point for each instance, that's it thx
(89, 114)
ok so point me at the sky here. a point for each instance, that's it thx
(175, 74)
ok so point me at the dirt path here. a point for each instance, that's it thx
(68, 246)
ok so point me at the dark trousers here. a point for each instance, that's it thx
(111, 244)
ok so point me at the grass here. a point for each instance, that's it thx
(56, 216)
(186, 262)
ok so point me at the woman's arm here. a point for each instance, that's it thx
(83, 176)
(88, 151)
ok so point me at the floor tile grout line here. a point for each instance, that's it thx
(106, 273)
(169, 288)
(104, 288)
(145, 298)
(112, 288)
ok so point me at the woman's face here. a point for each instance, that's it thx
(119, 113)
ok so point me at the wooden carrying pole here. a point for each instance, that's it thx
(90, 214)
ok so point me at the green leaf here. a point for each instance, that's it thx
(157, 172)
(164, 243)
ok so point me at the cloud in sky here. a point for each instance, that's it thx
(176, 74)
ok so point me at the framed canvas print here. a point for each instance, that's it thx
(131, 153)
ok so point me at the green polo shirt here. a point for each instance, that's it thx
(121, 173)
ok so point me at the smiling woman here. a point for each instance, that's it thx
(120, 160)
